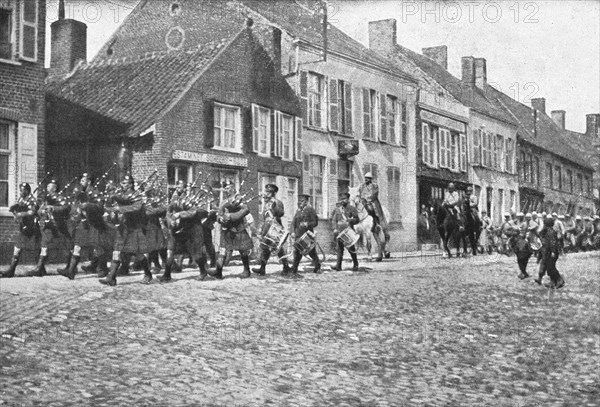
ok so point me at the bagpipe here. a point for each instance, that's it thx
(195, 198)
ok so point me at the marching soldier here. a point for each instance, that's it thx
(53, 213)
(129, 237)
(344, 216)
(305, 220)
(369, 195)
(186, 235)
(234, 236)
(156, 210)
(25, 213)
(273, 212)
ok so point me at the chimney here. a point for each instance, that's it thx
(559, 118)
(68, 44)
(468, 70)
(382, 35)
(539, 104)
(480, 73)
(438, 54)
(592, 122)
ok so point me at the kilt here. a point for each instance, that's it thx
(87, 235)
(187, 241)
(58, 237)
(28, 241)
(155, 237)
(231, 240)
(131, 240)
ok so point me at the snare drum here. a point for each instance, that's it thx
(348, 237)
(305, 243)
(275, 237)
(535, 244)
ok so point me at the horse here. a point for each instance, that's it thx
(367, 228)
(451, 226)
(472, 226)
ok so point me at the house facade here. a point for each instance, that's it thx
(22, 128)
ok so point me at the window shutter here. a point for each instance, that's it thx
(442, 148)
(404, 126)
(333, 166)
(298, 139)
(275, 133)
(463, 152)
(209, 119)
(366, 105)
(29, 22)
(383, 117)
(348, 108)
(304, 95)
(334, 106)
(27, 136)
(255, 127)
(425, 142)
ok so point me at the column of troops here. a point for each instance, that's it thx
(118, 223)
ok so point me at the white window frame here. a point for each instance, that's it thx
(445, 147)
(282, 137)
(394, 135)
(463, 151)
(315, 79)
(403, 131)
(237, 128)
(34, 25)
(12, 154)
(258, 114)
(454, 155)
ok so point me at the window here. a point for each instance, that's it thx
(344, 176)
(500, 159)
(316, 183)
(390, 121)
(370, 114)
(178, 172)
(404, 127)
(463, 152)
(558, 178)
(535, 171)
(220, 177)
(510, 150)
(477, 147)
(286, 135)
(484, 149)
(500, 207)
(425, 143)
(261, 130)
(28, 163)
(549, 177)
(429, 144)
(315, 100)
(588, 186)
(372, 168)
(340, 106)
(393, 193)
(580, 183)
(513, 200)
(6, 34)
(521, 166)
(489, 199)
(227, 128)
(570, 181)
(298, 134)
(7, 158)
(445, 148)
(454, 151)
(29, 22)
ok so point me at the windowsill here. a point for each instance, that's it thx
(319, 129)
(10, 62)
(4, 212)
(228, 150)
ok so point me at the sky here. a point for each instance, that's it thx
(533, 49)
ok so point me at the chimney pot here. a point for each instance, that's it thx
(438, 54)
(539, 104)
(468, 70)
(68, 46)
(382, 35)
(559, 118)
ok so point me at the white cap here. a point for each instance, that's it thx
(577, 217)
(528, 215)
(534, 213)
(548, 216)
(561, 217)
(368, 175)
(520, 214)
(554, 214)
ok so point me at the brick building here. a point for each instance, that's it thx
(218, 108)
(441, 119)
(22, 129)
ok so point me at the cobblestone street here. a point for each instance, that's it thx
(420, 331)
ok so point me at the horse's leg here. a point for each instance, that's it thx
(379, 247)
(446, 238)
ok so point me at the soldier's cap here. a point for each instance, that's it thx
(86, 175)
(577, 217)
(271, 188)
(561, 217)
(368, 175)
(451, 185)
(528, 215)
(53, 181)
(304, 196)
(520, 214)
(344, 195)
(554, 214)
(534, 213)
(548, 216)
(26, 186)
(129, 178)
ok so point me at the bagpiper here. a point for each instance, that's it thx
(344, 216)
(305, 220)
(273, 211)
(25, 214)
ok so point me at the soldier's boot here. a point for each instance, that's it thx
(354, 261)
(111, 277)
(286, 267)
(93, 266)
(147, 273)
(66, 268)
(10, 273)
(71, 271)
(40, 269)
(297, 258)
(338, 263)
(317, 263)
(213, 256)
(246, 262)
(123, 269)
(154, 262)
(163, 256)
(166, 277)
(202, 266)
(263, 264)
(102, 268)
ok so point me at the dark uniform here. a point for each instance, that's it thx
(25, 212)
(524, 253)
(550, 253)
(344, 216)
(304, 220)
(274, 210)
(234, 235)
(156, 211)
(54, 215)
